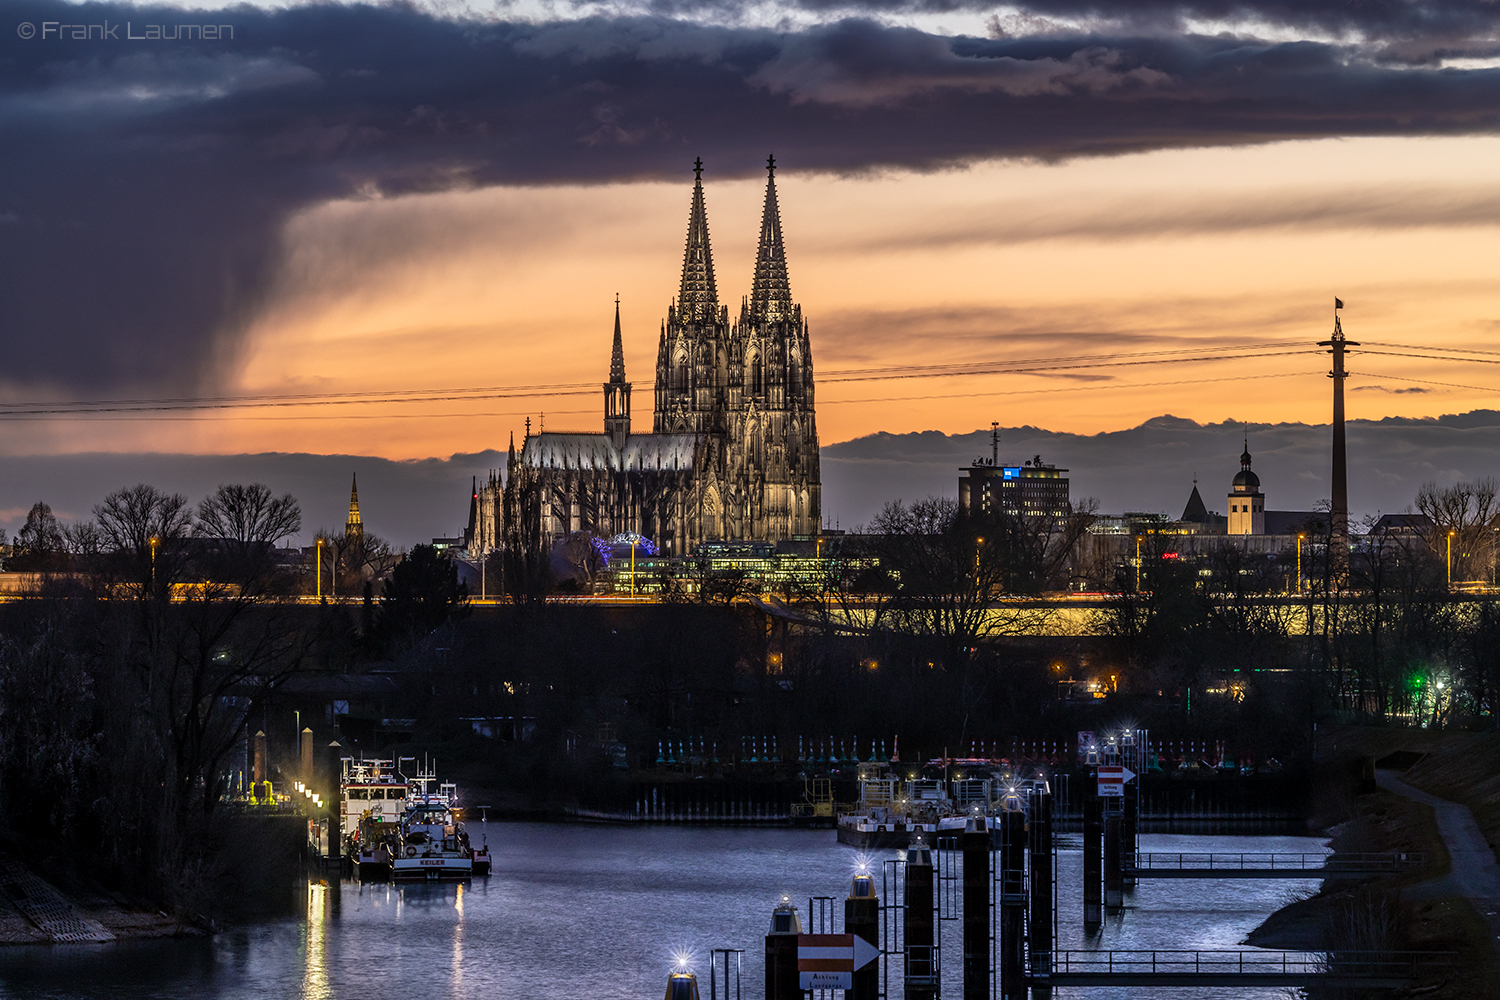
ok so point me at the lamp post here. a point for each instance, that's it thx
(320, 569)
(632, 565)
(1450, 560)
(1299, 562)
(1137, 564)
(155, 541)
(978, 544)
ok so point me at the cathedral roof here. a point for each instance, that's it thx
(771, 291)
(617, 359)
(596, 451)
(698, 295)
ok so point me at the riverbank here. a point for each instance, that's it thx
(1417, 910)
(56, 908)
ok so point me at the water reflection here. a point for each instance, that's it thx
(315, 976)
(599, 912)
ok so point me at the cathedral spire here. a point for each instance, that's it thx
(354, 527)
(698, 295)
(617, 359)
(771, 292)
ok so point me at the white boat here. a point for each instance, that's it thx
(434, 845)
(372, 802)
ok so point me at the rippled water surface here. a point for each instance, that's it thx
(598, 913)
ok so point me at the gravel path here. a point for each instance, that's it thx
(1474, 874)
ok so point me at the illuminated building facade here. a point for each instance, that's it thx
(733, 450)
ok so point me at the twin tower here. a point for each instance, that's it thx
(733, 453)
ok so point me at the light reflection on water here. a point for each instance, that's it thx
(602, 912)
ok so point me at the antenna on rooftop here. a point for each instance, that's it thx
(994, 442)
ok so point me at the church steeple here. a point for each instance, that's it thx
(354, 527)
(617, 391)
(771, 292)
(617, 358)
(698, 296)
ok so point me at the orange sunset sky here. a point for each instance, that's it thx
(1221, 248)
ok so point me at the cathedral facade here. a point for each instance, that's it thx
(733, 448)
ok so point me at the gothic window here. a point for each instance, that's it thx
(757, 377)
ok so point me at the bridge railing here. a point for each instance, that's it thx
(1348, 964)
(1311, 863)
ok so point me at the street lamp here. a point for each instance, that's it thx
(155, 541)
(1450, 560)
(320, 569)
(1138, 563)
(1299, 562)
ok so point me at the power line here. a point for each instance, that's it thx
(1423, 381)
(561, 389)
(1071, 388)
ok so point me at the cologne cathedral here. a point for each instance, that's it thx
(733, 448)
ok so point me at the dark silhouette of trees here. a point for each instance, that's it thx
(40, 545)
(423, 593)
(242, 525)
(144, 529)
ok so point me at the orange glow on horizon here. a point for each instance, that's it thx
(1199, 248)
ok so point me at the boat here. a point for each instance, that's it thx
(433, 844)
(372, 802)
(892, 813)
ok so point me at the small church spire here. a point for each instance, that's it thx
(354, 527)
(617, 359)
(617, 391)
(770, 290)
(698, 296)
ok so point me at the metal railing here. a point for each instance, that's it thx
(1348, 964)
(1310, 863)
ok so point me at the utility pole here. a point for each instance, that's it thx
(1338, 540)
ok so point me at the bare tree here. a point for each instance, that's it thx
(1469, 514)
(39, 543)
(143, 528)
(245, 523)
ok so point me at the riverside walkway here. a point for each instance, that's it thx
(1369, 970)
(1228, 866)
(1474, 875)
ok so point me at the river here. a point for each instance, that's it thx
(600, 913)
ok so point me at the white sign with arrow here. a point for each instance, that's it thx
(1112, 778)
(828, 961)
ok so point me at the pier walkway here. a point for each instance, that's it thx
(1319, 866)
(1474, 875)
(1374, 970)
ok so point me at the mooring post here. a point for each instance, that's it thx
(782, 982)
(976, 851)
(862, 919)
(1114, 884)
(1041, 883)
(1093, 854)
(682, 985)
(1130, 839)
(921, 921)
(1013, 905)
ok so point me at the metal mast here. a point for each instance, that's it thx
(1338, 540)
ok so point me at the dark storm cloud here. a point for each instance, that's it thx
(143, 184)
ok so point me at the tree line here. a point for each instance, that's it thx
(131, 662)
